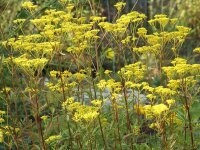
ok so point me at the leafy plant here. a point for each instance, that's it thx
(61, 97)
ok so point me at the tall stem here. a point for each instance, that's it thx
(39, 123)
(63, 92)
(188, 114)
(127, 113)
(116, 120)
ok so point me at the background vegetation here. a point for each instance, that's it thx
(91, 74)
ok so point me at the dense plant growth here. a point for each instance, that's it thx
(77, 81)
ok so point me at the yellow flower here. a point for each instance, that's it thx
(44, 118)
(151, 97)
(183, 29)
(110, 53)
(173, 21)
(142, 32)
(69, 101)
(136, 85)
(160, 16)
(97, 18)
(29, 6)
(19, 21)
(197, 50)
(107, 72)
(147, 111)
(119, 6)
(163, 21)
(139, 109)
(79, 76)
(85, 113)
(174, 84)
(102, 84)
(53, 138)
(126, 40)
(2, 112)
(17, 130)
(159, 109)
(69, 7)
(29, 66)
(133, 72)
(179, 61)
(96, 102)
(154, 126)
(2, 120)
(170, 102)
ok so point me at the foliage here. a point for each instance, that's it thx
(60, 96)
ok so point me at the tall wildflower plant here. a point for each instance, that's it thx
(61, 97)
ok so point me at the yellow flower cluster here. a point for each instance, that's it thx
(86, 113)
(29, 5)
(29, 66)
(107, 72)
(44, 118)
(197, 50)
(133, 72)
(58, 87)
(97, 102)
(6, 89)
(119, 6)
(164, 92)
(154, 111)
(29, 44)
(68, 82)
(8, 130)
(181, 69)
(82, 113)
(110, 54)
(123, 22)
(161, 19)
(170, 102)
(97, 19)
(53, 138)
(156, 42)
(155, 49)
(127, 40)
(142, 32)
(79, 77)
(19, 21)
(110, 84)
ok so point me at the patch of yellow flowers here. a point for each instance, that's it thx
(61, 33)
(82, 113)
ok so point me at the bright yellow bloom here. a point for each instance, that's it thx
(107, 72)
(97, 102)
(170, 102)
(159, 109)
(142, 32)
(29, 5)
(102, 84)
(44, 118)
(197, 50)
(68, 102)
(119, 6)
(110, 54)
(19, 21)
